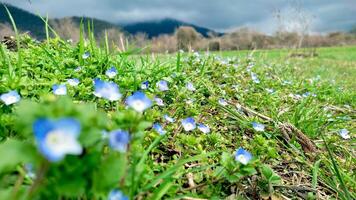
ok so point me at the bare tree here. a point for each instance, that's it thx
(66, 28)
(187, 37)
(295, 20)
(6, 30)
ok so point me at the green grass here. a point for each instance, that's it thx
(332, 63)
(156, 166)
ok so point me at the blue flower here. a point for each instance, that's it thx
(55, 139)
(190, 86)
(254, 78)
(307, 94)
(119, 140)
(295, 96)
(111, 73)
(223, 102)
(138, 101)
(73, 82)
(159, 101)
(10, 97)
(117, 195)
(203, 128)
(286, 82)
(106, 90)
(242, 156)
(258, 126)
(162, 85)
(270, 90)
(196, 54)
(168, 118)
(59, 89)
(158, 128)
(104, 134)
(188, 124)
(189, 101)
(144, 85)
(78, 69)
(344, 133)
(30, 172)
(86, 55)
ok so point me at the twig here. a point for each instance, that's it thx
(40, 175)
(18, 183)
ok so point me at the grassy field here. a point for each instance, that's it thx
(295, 116)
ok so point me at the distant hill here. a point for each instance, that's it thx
(99, 25)
(165, 26)
(25, 21)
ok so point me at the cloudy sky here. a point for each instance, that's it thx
(221, 15)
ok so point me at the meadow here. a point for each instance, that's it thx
(88, 122)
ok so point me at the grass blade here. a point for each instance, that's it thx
(18, 43)
(162, 190)
(336, 168)
(167, 173)
(315, 174)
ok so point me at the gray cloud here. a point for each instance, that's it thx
(326, 15)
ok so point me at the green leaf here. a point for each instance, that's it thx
(274, 179)
(110, 171)
(168, 173)
(248, 170)
(315, 174)
(266, 171)
(234, 178)
(14, 152)
(143, 125)
(162, 190)
(73, 188)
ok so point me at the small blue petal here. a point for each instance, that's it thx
(306, 94)
(243, 156)
(203, 128)
(189, 101)
(10, 97)
(111, 73)
(144, 85)
(106, 90)
(269, 90)
(30, 172)
(59, 89)
(344, 133)
(73, 82)
(55, 139)
(119, 139)
(258, 126)
(138, 101)
(162, 85)
(69, 125)
(286, 82)
(254, 78)
(86, 55)
(79, 68)
(159, 101)
(223, 102)
(158, 128)
(117, 195)
(169, 119)
(190, 86)
(188, 124)
(41, 127)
